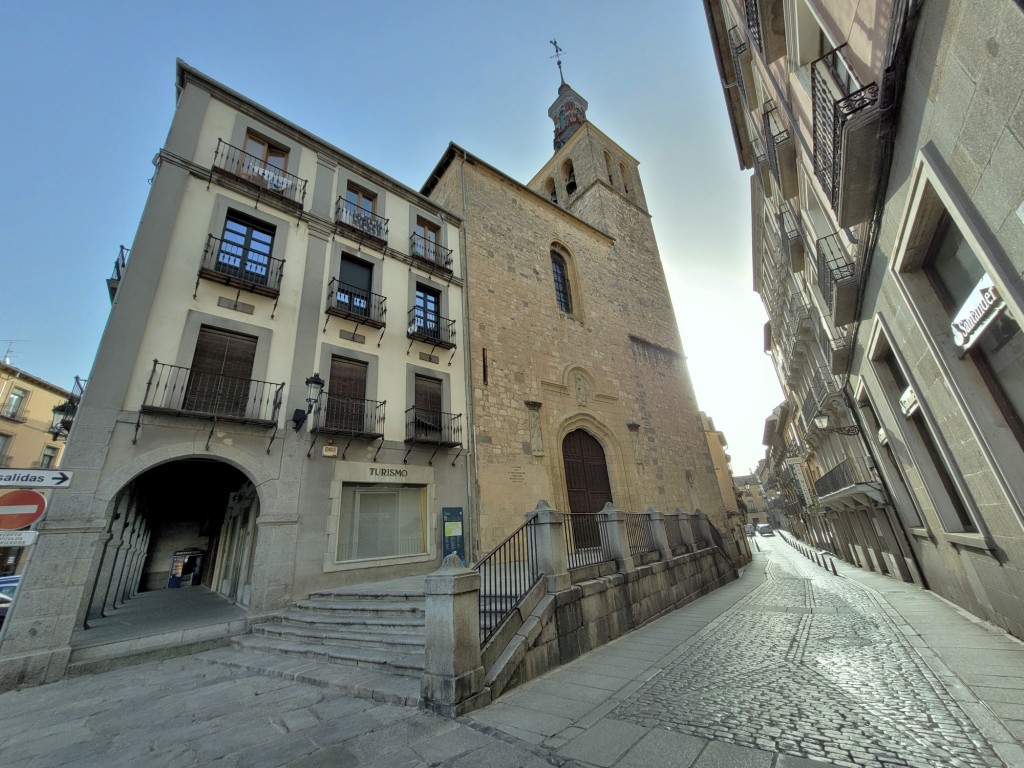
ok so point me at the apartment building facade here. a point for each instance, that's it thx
(278, 403)
(888, 237)
(30, 435)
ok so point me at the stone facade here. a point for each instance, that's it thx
(612, 365)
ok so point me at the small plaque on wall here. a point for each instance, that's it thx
(330, 450)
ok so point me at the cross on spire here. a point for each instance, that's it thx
(558, 56)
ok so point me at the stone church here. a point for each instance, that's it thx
(580, 390)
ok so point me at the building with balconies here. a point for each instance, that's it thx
(904, 234)
(279, 393)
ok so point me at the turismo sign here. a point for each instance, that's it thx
(34, 478)
(983, 305)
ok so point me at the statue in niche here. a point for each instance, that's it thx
(581, 389)
(536, 441)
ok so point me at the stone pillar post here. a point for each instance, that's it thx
(615, 538)
(657, 522)
(704, 526)
(548, 542)
(685, 529)
(453, 674)
(672, 530)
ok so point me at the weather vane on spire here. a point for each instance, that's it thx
(558, 56)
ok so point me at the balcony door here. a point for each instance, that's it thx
(221, 373)
(346, 395)
(356, 281)
(428, 408)
(586, 482)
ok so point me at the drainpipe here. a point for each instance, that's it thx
(472, 467)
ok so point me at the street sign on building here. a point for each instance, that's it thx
(35, 478)
(18, 538)
(19, 509)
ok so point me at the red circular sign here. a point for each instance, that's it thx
(19, 509)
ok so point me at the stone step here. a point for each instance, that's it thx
(317, 633)
(378, 608)
(396, 662)
(364, 682)
(360, 622)
(362, 593)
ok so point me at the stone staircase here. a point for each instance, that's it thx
(367, 640)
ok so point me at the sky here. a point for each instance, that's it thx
(88, 92)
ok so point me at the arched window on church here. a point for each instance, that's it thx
(625, 184)
(608, 167)
(551, 191)
(560, 273)
(569, 174)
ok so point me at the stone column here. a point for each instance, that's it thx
(657, 523)
(615, 538)
(547, 540)
(453, 674)
(704, 526)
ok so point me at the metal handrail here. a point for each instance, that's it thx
(254, 170)
(352, 215)
(187, 392)
(507, 573)
(847, 473)
(236, 265)
(583, 544)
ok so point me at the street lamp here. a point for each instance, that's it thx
(314, 388)
(821, 422)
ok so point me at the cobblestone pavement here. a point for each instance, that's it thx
(810, 665)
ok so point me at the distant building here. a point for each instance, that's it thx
(27, 437)
(888, 248)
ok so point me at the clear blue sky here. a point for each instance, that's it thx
(88, 96)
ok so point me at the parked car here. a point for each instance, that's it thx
(9, 585)
(748, 529)
(765, 530)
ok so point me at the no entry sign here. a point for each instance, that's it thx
(19, 509)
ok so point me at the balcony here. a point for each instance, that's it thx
(846, 148)
(781, 150)
(15, 410)
(767, 28)
(742, 67)
(186, 392)
(430, 252)
(822, 388)
(429, 427)
(258, 175)
(430, 328)
(837, 279)
(839, 350)
(351, 303)
(232, 264)
(360, 222)
(851, 477)
(120, 264)
(350, 416)
(792, 239)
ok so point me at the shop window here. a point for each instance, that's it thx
(379, 520)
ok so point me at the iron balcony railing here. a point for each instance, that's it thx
(738, 46)
(350, 214)
(187, 392)
(424, 425)
(833, 268)
(344, 300)
(583, 539)
(809, 408)
(427, 250)
(232, 264)
(350, 416)
(775, 133)
(64, 413)
(426, 326)
(14, 411)
(257, 172)
(846, 474)
(754, 24)
(836, 96)
(120, 264)
(507, 573)
(639, 533)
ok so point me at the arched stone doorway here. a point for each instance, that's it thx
(586, 481)
(202, 507)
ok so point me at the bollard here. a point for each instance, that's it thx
(834, 568)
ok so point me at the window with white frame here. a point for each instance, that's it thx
(379, 520)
